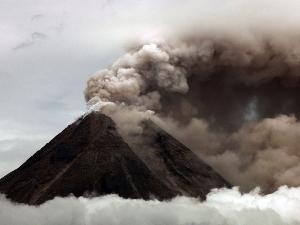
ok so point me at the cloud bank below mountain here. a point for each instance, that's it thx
(224, 206)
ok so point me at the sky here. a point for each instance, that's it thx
(48, 49)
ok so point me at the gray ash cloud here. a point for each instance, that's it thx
(235, 94)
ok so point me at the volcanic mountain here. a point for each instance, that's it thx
(89, 157)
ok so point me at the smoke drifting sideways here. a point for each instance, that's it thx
(232, 97)
(223, 206)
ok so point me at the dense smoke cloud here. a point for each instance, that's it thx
(224, 206)
(263, 153)
(236, 93)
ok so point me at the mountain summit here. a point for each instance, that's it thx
(89, 157)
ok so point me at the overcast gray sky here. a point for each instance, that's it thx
(48, 49)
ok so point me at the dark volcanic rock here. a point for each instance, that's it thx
(182, 171)
(89, 156)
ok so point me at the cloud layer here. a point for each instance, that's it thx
(225, 206)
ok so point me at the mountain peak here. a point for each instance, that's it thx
(90, 157)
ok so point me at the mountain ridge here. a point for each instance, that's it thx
(90, 156)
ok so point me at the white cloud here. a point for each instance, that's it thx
(222, 207)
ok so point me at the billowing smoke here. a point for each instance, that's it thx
(264, 153)
(224, 206)
(233, 97)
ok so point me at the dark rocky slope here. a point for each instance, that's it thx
(90, 157)
(182, 171)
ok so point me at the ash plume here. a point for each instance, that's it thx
(233, 98)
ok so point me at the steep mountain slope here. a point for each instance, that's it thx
(181, 169)
(90, 157)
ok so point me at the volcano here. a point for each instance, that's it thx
(90, 158)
